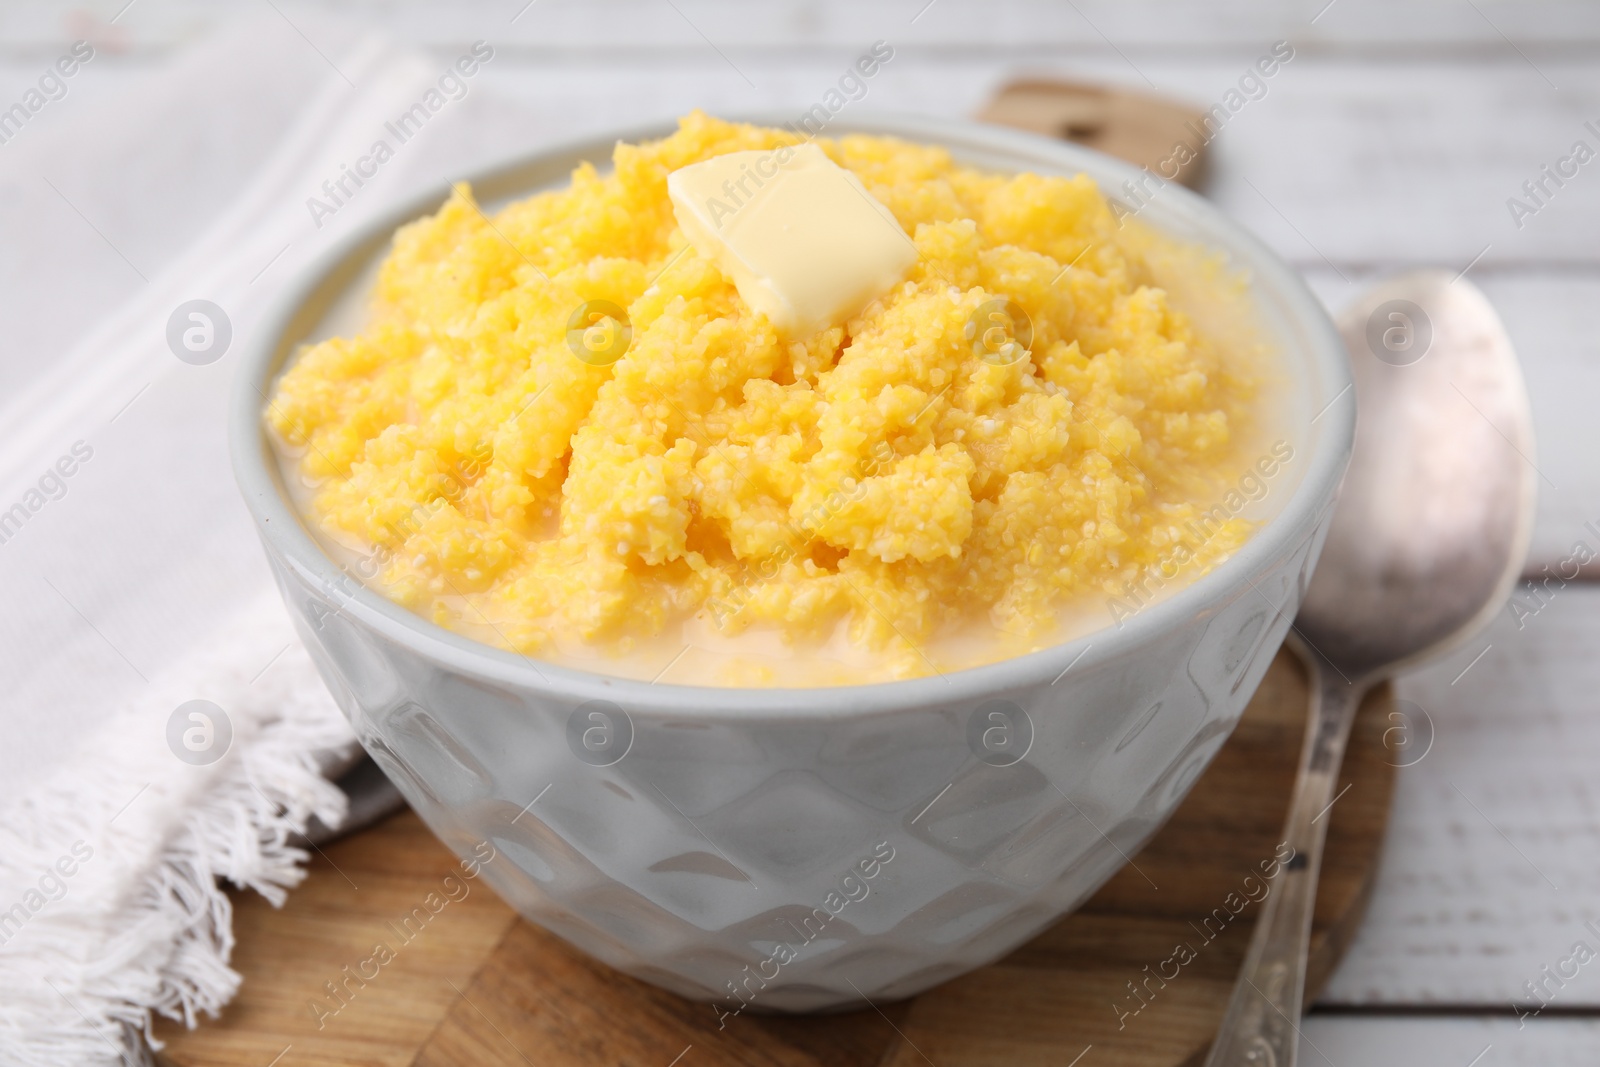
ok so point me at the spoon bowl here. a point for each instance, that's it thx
(1432, 524)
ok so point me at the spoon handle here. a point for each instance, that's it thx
(1262, 1027)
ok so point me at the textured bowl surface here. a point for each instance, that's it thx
(800, 849)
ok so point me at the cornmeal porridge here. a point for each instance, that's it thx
(565, 432)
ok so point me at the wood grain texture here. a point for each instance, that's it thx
(1486, 877)
(793, 25)
(345, 907)
(478, 986)
(1449, 1041)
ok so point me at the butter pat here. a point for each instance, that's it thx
(798, 235)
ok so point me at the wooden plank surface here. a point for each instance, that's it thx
(1449, 1041)
(1489, 872)
(328, 932)
(1420, 28)
(477, 986)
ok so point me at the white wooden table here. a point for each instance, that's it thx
(1393, 138)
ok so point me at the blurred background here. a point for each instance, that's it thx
(178, 159)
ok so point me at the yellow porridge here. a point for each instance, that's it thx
(563, 431)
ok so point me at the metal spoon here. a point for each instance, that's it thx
(1428, 536)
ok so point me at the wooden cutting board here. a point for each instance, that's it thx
(480, 986)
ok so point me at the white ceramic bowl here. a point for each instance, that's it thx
(799, 849)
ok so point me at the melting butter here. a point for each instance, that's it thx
(798, 235)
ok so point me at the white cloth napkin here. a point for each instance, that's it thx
(134, 583)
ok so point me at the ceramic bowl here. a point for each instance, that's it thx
(795, 850)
